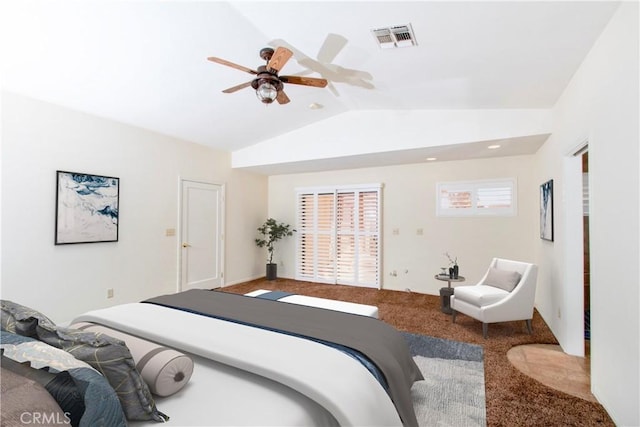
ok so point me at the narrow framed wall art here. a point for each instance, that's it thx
(86, 208)
(546, 211)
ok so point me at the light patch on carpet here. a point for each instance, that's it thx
(452, 393)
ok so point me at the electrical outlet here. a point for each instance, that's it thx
(110, 293)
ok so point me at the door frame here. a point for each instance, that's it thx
(179, 240)
(573, 291)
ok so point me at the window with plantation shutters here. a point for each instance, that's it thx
(475, 198)
(339, 235)
(315, 232)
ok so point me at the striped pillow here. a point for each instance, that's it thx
(164, 369)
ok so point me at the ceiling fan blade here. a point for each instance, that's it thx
(349, 73)
(307, 81)
(332, 45)
(362, 83)
(330, 72)
(231, 64)
(301, 58)
(333, 72)
(304, 72)
(237, 87)
(333, 89)
(279, 58)
(282, 98)
(275, 43)
(315, 66)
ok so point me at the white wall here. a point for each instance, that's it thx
(600, 105)
(409, 202)
(62, 281)
(366, 132)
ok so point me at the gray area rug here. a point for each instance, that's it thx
(452, 393)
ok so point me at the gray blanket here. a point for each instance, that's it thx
(380, 342)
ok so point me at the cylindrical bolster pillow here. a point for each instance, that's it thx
(165, 370)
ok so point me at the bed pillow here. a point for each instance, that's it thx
(60, 386)
(19, 319)
(111, 358)
(21, 395)
(107, 355)
(165, 370)
(83, 393)
(502, 279)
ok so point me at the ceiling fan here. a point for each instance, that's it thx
(324, 65)
(268, 85)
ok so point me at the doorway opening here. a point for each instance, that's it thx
(585, 246)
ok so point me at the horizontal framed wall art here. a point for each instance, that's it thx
(86, 208)
(546, 211)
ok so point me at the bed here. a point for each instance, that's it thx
(347, 307)
(247, 373)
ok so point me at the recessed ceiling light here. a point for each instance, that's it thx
(431, 159)
(315, 106)
(494, 147)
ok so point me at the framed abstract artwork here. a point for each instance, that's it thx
(546, 210)
(86, 208)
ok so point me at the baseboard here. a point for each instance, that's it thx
(248, 279)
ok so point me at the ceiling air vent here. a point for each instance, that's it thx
(398, 36)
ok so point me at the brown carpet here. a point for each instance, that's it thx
(513, 399)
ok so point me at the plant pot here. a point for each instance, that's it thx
(272, 271)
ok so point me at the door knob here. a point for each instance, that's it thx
(186, 245)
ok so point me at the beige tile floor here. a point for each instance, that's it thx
(548, 364)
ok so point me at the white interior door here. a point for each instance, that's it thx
(202, 235)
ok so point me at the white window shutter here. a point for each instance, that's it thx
(339, 236)
(487, 197)
(306, 236)
(369, 238)
(325, 253)
(345, 225)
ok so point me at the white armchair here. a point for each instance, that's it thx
(505, 293)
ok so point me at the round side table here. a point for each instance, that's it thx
(445, 293)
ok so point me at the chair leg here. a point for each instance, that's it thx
(453, 316)
(529, 327)
(485, 329)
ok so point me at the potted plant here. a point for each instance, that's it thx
(453, 266)
(271, 232)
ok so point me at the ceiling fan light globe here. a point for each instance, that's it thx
(266, 93)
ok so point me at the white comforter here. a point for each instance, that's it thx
(334, 380)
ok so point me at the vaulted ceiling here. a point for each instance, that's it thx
(145, 62)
